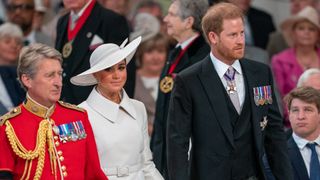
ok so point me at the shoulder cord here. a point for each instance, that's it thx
(44, 135)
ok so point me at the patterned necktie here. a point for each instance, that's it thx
(232, 88)
(314, 162)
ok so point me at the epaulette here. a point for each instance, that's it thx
(14, 112)
(71, 106)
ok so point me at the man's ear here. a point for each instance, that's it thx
(26, 81)
(213, 37)
(189, 22)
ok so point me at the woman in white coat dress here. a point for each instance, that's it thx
(118, 122)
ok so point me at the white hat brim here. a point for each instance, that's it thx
(86, 78)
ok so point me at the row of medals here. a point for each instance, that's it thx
(73, 136)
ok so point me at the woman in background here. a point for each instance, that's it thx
(11, 93)
(150, 59)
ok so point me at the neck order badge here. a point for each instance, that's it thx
(166, 83)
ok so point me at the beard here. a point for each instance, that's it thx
(230, 54)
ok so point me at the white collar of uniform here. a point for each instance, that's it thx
(31, 37)
(301, 142)
(187, 42)
(222, 68)
(109, 109)
(79, 14)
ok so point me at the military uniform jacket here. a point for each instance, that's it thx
(77, 158)
(102, 26)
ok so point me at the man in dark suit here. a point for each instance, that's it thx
(22, 13)
(304, 115)
(11, 87)
(183, 24)
(258, 24)
(79, 32)
(226, 106)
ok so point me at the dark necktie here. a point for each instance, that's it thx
(231, 88)
(314, 162)
(26, 42)
(174, 53)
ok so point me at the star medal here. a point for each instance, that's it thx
(166, 84)
(231, 88)
(67, 49)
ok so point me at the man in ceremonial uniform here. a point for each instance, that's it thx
(44, 138)
(79, 32)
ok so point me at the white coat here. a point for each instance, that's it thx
(121, 136)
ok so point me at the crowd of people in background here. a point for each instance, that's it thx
(170, 90)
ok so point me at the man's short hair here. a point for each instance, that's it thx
(305, 94)
(31, 55)
(213, 19)
(193, 8)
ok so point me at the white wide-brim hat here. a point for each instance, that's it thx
(308, 13)
(103, 57)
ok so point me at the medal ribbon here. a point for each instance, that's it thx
(82, 19)
(177, 60)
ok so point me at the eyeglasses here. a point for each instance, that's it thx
(23, 7)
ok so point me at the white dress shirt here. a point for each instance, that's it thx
(305, 151)
(222, 68)
(121, 135)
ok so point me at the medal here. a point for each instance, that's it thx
(67, 49)
(166, 84)
(56, 130)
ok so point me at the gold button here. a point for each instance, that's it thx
(63, 168)
(55, 137)
(65, 174)
(61, 158)
(59, 153)
(15, 110)
(57, 143)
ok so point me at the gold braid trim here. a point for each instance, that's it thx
(44, 134)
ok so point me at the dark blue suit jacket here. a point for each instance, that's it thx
(299, 169)
(9, 78)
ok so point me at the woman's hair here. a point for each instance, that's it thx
(159, 41)
(10, 30)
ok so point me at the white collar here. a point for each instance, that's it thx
(109, 109)
(31, 37)
(222, 68)
(187, 42)
(301, 142)
(79, 14)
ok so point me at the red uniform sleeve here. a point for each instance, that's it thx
(7, 155)
(93, 168)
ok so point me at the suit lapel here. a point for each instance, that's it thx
(62, 32)
(297, 160)
(83, 39)
(252, 80)
(191, 51)
(215, 94)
